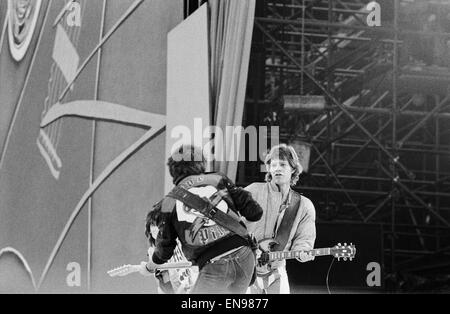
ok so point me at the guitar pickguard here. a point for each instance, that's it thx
(263, 269)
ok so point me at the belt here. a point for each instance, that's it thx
(224, 247)
(215, 259)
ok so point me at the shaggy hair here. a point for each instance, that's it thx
(187, 160)
(153, 219)
(287, 153)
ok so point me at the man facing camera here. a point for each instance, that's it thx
(288, 217)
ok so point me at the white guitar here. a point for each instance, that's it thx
(178, 271)
(129, 269)
(182, 279)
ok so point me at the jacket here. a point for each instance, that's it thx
(303, 233)
(301, 237)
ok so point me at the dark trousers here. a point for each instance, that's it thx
(229, 275)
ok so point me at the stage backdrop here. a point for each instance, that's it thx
(188, 99)
(13, 73)
(82, 141)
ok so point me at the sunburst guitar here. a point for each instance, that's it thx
(266, 254)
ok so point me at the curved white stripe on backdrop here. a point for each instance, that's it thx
(101, 110)
(23, 260)
(119, 113)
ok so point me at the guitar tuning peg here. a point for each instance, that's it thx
(351, 259)
(345, 259)
(345, 244)
(339, 244)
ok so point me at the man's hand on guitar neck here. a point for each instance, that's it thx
(305, 257)
(149, 268)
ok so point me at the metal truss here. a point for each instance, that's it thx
(380, 150)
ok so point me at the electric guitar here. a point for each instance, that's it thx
(129, 269)
(182, 279)
(178, 271)
(267, 255)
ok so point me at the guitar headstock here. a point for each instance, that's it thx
(344, 251)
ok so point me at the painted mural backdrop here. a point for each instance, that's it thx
(82, 122)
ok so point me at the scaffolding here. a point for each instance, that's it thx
(380, 148)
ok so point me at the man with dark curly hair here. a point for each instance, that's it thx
(283, 208)
(226, 260)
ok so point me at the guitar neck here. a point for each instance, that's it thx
(295, 254)
(175, 265)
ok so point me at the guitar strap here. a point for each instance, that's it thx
(264, 282)
(285, 227)
(209, 210)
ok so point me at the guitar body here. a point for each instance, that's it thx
(182, 279)
(263, 268)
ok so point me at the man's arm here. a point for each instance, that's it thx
(166, 240)
(244, 201)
